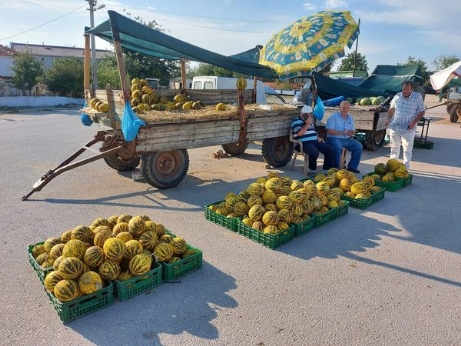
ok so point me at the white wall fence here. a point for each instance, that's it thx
(39, 101)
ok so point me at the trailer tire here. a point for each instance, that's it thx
(449, 107)
(165, 169)
(234, 149)
(374, 140)
(454, 114)
(277, 152)
(123, 159)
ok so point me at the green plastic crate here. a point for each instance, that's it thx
(173, 271)
(378, 196)
(391, 186)
(407, 181)
(137, 285)
(322, 219)
(342, 209)
(41, 272)
(423, 144)
(85, 305)
(230, 223)
(304, 227)
(272, 241)
(359, 203)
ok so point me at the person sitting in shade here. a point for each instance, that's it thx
(340, 134)
(304, 130)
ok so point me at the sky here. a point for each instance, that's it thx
(390, 30)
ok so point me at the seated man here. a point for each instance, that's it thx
(303, 129)
(340, 132)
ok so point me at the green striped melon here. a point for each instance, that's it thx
(51, 279)
(284, 215)
(268, 196)
(179, 245)
(136, 226)
(149, 240)
(120, 227)
(124, 218)
(256, 212)
(255, 189)
(296, 196)
(101, 236)
(109, 270)
(56, 251)
(140, 264)
(100, 221)
(241, 208)
(124, 236)
(114, 249)
(258, 225)
(70, 268)
(254, 200)
(83, 233)
(66, 290)
(160, 229)
(132, 248)
(93, 256)
(271, 229)
(166, 238)
(297, 209)
(163, 252)
(270, 218)
(50, 242)
(284, 202)
(74, 248)
(90, 282)
(66, 236)
(56, 262)
(37, 250)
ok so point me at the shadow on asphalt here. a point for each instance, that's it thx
(167, 309)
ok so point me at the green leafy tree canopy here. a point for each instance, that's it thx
(26, 71)
(443, 61)
(353, 62)
(422, 65)
(65, 77)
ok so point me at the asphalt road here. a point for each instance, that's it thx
(386, 275)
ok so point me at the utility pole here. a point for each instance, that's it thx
(94, 75)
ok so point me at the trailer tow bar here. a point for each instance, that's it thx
(68, 164)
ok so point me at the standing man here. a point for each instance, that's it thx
(340, 134)
(407, 108)
(304, 130)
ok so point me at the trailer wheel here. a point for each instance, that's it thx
(449, 107)
(454, 114)
(277, 151)
(374, 140)
(123, 159)
(165, 169)
(234, 149)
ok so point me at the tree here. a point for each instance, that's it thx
(26, 71)
(108, 72)
(422, 65)
(443, 61)
(65, 77)
(353, 62)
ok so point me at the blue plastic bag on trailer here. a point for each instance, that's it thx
(319, 109)
(130, 123)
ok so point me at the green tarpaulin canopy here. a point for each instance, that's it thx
(142, 39)
(389, 78)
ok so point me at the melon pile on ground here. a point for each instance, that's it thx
(116, 248)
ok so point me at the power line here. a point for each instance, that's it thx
(51, 21)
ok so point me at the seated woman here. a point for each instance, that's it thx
(303, 129)
(340, 132)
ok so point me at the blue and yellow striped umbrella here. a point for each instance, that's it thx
(310, 43)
